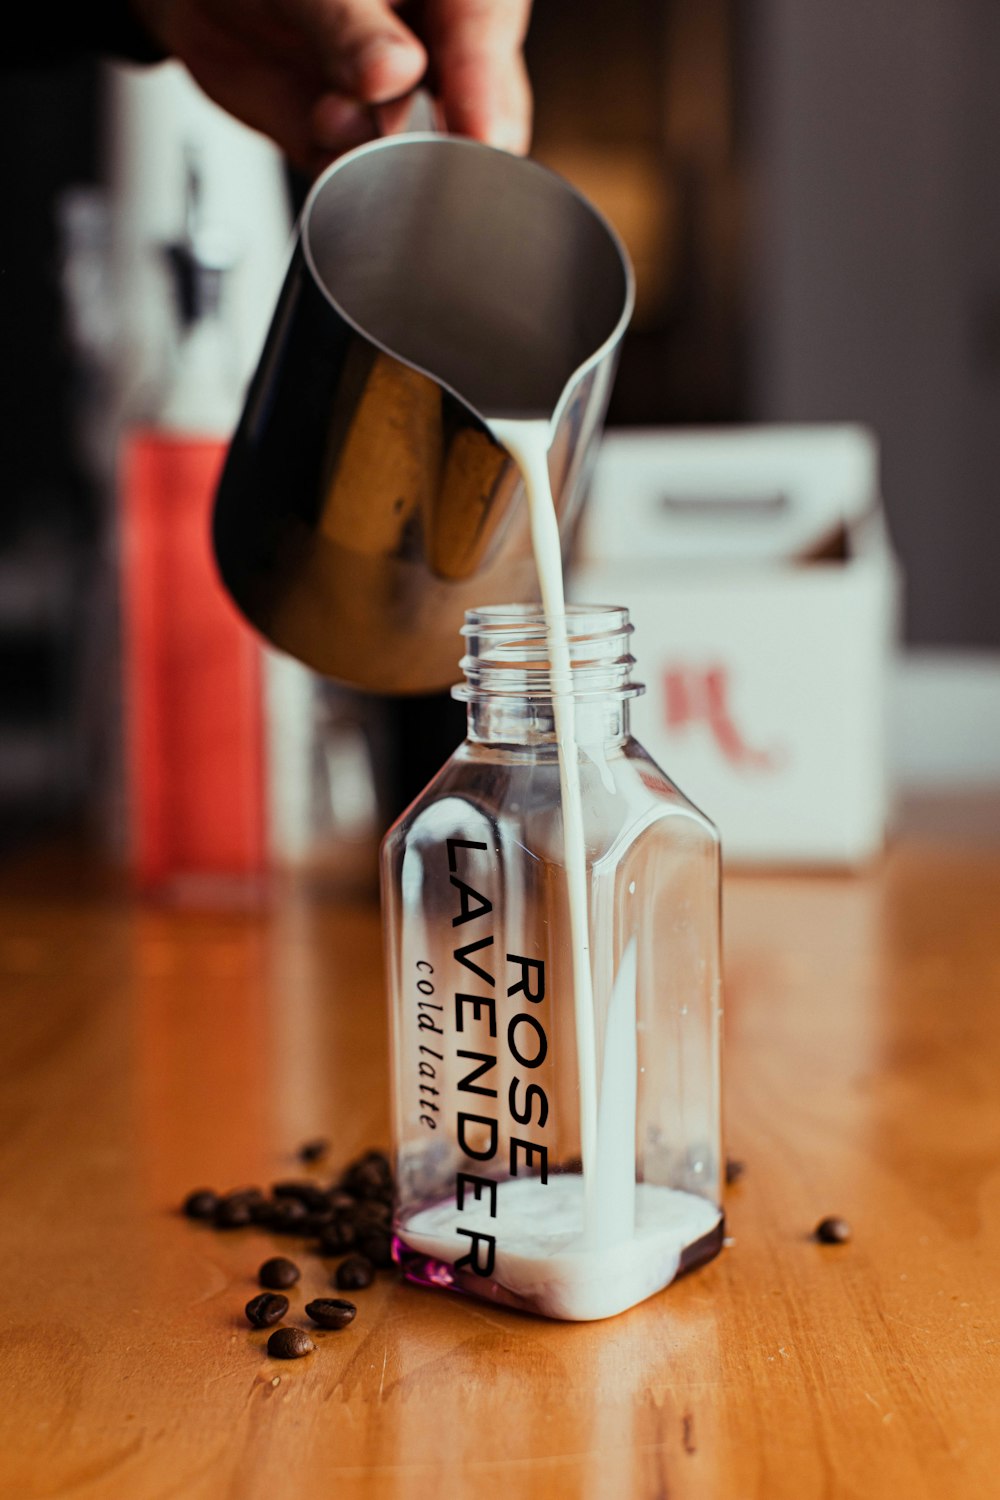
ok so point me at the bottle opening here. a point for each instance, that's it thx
(507, 652)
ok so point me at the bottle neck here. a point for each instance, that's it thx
(519, 668)
(525, 722)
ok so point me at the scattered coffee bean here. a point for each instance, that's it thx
(250, 1195)
(266, 1309)
(314, 1224)
(289, 1343)
(287, 1189)
(377, 1245)
(306, 1193)
(287, 1215)
(735, 1169)
(833, 1231)
(354, 1274)
(331, 1312)
(368, 1177)
(339, 1237)
(352, 1214)
(278, 1272)
(201, 1204)
(231, 1213)
(312, 1151)
(319, 1205)
(372, 1214)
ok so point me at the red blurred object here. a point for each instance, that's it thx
(192, 698)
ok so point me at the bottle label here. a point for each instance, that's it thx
(496, 1033)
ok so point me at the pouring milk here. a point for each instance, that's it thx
(577, 1247)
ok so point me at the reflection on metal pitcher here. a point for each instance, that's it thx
(366, 503)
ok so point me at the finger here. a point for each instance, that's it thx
(337, 123)
(362, 47)
(476, 51)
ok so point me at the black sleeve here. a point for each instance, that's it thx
(46, 34)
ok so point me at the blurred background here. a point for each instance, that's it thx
(809, 195)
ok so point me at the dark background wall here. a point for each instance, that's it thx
(48, 512)
(876, 242)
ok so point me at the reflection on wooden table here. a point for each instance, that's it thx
(148, 1051)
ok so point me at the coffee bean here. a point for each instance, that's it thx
(287, 1215)
(278, 1272)
(289, 1343)
(377, 1245)
(368, 1166)
(369, 1177)
(287, 1189)
(266, 1309)
(275, 1211)
(315, 1223)
(833, 1231)
(312, 1151)
(306, 1193)
(231, 1213)
(250, 1198)
(372, 1214)
(354, 1274)
(263, 1213)
(338, 1237)
(734, 1170)
(331, 1312)
(201, 1204)
(339, 1200)
(249, 1195)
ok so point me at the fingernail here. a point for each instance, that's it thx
(378, 52)
(508, 135)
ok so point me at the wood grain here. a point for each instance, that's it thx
(145, 1052)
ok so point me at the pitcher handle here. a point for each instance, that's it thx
(415, 113)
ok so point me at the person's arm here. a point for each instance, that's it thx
(307, 72)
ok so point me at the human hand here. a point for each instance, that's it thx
(307, 72)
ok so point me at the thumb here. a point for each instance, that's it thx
(363, 48)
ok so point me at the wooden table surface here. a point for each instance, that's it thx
(147, 1051)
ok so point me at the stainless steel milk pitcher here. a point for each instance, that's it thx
(365, 502)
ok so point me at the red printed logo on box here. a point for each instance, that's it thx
(701, 695)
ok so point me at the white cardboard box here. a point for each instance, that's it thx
(766, 667)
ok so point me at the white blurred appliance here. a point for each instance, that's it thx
(765, 596)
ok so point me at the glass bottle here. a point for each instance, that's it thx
(557, 1144)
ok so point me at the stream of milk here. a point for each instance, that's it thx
(528, 443)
